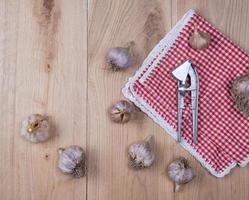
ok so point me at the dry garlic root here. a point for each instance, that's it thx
(35, 128)
(72, 161)
(119, 58)
(141, 154)
(121, 111)
(180, 172)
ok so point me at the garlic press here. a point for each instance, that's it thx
(182, 73)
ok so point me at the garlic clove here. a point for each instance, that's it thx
(72, 161)
(35, 128)
(199, 40)
(240, 93)
(121, 111)
(119, 58)
(180, 172)
(141, 154)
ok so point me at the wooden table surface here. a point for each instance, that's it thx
(52, 62)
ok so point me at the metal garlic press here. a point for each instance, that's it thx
(181, 73)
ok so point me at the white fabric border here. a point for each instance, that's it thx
(245, 162)
(160, 49)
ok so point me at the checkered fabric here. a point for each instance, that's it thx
(223, 131)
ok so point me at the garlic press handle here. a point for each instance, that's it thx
(194, 101)
(180, 110)
(194, 108)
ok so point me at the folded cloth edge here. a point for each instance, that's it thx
(158, 51)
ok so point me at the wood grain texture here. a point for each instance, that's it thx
(52, 62)
(44, 70)
(112, 23)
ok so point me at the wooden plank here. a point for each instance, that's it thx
(47, 74)
(232, 19)
(118, 23)
(8, 54)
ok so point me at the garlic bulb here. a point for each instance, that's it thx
(121, 111)
(199, 40)
(240, 93)
(141, 154)
(119, 58)
(72, 161)
(180, 172)
(35, 128)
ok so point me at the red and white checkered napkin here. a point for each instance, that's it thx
(223, 132)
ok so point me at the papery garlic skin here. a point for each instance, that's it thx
(72, 161)
(119, 58)
(180, 172)
(121, 111)
(40, 133)
(141, 154)
(240, 93)
(199, 40)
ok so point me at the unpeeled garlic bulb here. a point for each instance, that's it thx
(72, 161)
(141, 154)
(199, 40)
(240, 93)
(121, 111)
(35, 128)
(119, 58)
(180, 172)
